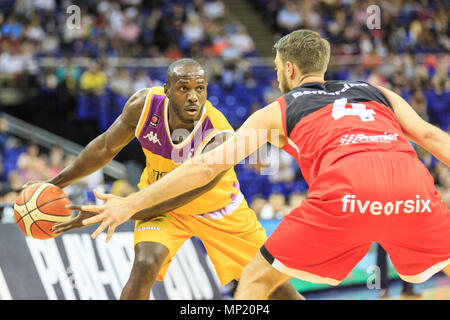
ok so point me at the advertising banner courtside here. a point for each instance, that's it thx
(74, 266)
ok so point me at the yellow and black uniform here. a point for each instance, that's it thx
(221, 218)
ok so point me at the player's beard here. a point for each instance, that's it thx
(284, 84)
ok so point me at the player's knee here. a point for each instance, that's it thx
(149, 259)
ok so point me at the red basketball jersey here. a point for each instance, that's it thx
(326, 121)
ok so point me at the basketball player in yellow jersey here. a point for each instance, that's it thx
(173, 124)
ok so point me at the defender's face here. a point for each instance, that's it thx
(281, 75)
(187, 93)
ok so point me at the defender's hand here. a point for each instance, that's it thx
(113, 213)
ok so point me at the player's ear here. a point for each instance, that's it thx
(166, 88)
(290, 67)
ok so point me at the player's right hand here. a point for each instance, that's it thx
(75, 222)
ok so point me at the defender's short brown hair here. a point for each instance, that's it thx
(306, 49)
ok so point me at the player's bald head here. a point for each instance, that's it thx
(184, 68)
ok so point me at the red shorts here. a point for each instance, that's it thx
(389, 198)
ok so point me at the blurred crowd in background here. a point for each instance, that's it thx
(408, 54)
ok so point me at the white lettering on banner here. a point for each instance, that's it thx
(92, 265)
(213, 272)
(4, 291)
(121, 254)
(109, 276)
(349, 202)
(83, 264)
(186, 279)
(196, 276)
(50, 267)
(85, 277)
(175, 282)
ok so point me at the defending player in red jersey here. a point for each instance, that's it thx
(366, 183)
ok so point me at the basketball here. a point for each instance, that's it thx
(40, 206)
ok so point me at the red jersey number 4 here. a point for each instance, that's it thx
(357, 109)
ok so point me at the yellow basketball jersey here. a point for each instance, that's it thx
(162, 155)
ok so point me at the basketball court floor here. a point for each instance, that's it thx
(436, 288)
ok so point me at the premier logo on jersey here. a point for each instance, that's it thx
(362, 138)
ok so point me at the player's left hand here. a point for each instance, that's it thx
(113, 213)
(75, 223)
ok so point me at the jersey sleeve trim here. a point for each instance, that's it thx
(144, 113)
(383, 93)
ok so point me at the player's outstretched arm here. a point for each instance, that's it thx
(100, 151)
(156, 210)
(430, 137)
(263, 126)
(185, 198)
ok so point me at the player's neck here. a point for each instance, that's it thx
(176, 123)
(307, 78)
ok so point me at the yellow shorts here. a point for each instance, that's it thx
(231, 236)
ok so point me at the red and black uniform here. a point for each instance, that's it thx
(366, 185)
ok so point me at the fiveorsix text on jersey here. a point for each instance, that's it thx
(225, 310)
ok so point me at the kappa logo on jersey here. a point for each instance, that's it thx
(152, 137)
(357, 109)
(350, 203)
(154, 121)
(362, 138)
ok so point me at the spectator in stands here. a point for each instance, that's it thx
(257, 204)
(69, 76)
(4, 135)
(33, 31)
(295, 199)
(143, 80)
(192, 29)
(12, 28)
(129, 32)
(122, 188)
(12, 62)
(286, 171)
(55, 160)
(419, 104)
(275, 208)
(93, 80)
(442, 176)
(288, 17)
(242, 41)
(32, 166)
(214, 9)
(15, 181)
(121, 83)
(231, 74)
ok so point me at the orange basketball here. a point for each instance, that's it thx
(40, 206)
